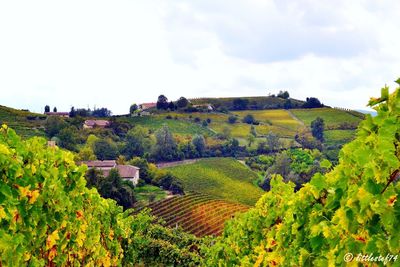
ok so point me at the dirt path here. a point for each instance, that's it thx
(295, 118)
(162, 165)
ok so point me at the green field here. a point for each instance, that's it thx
(180, 127)
(338, 137)
(25, 123)
(333, 118)
(148, 193)
(224, 178)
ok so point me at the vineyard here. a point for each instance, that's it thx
(197, 214)
(223, 178)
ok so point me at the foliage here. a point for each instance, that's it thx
(47, 108)
(317, 129)
(54, 125)
(352, 209)
(199, 144)
(312, 102)
(249, 119)
(240, 104)
(133, 108)
(162, 102)
(105, 149)
(49, 218)
(101, 112)
(137, 142)
(232, 119)
(165, 147)
(283, 94)
(182, 102)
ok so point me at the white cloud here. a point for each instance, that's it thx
(112, 54)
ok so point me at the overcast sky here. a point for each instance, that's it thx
(115, 53)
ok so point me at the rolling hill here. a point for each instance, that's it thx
(224, 178)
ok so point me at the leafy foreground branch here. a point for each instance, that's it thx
(48, 216)
(352, 209)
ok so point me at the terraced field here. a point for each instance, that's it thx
(196, 213)
(25, 123)
(333, 118)
(180, 127)
(224, 178)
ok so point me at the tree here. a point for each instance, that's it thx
(317, 129)
(312, 102)
(115, 188)
(105, 149)
(101, 112)
(287, 104)
(165, 147)
(182, 102)
(94, 178)
(249, 119)
(133, 108)
(240, 104)
(72, 113)
(55, 109)
(306, 140)
(171, 106)
(253, 131)
(283, 94)
(200, 144)
(273, 141)
(68, 137)
(54, 125)
(232, 119)
(162, 102)
(250, 139)
(47, 108)
(137, 142)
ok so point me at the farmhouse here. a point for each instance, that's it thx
(89, 124)
(127, 172)
(145, 106)
(58, 114)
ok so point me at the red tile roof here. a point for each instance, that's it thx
(100, 163)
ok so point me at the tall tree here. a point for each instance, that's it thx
(133, 108)
(317, 129)
(199, 143)
(55, 109)
(182, 102)
(165, 147)
(105, 149)
(47, 108)
(162, 102)
(137, 142)
(273, 141)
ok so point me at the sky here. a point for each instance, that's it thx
(115, 53)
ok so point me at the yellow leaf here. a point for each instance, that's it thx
(33, 168)
(34, 195)
(24, 191)
(52, 239)
(2, 213)
(27, 256)
(52, 253)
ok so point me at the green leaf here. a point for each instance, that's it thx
(326, 164)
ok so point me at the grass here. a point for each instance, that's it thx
(18, 120)
(333, 118)
(180, 127)
(148, 193)
(224, 178)
(338, 137)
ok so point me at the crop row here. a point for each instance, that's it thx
(195, 213)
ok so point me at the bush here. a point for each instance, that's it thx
(249, 119)
(232, 119)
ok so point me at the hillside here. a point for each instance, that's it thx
(253, 102)
(25, 123)
(197, 214)
(224, 178)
